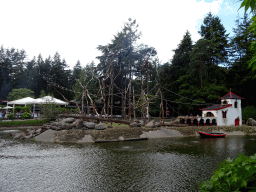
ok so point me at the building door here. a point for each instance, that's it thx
(236, 121)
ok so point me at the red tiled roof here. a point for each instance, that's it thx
(231, 95)
(216, 107)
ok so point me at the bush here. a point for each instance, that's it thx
(249, 112)
(23, 123)
(10, 116)
(19, 108)
(233, 175)
(26, 115)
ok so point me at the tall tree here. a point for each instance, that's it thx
(252, 5)
(214, 31)
(11, 69)
(58, 78)
(240, 76)
(122, 59)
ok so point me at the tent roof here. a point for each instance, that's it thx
(50, 100)
(44, 100)
(23, 101)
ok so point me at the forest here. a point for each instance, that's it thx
(130, 81)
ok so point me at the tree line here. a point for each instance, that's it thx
(130, 80)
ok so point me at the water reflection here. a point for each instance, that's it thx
(173, 164)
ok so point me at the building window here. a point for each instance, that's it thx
(235, 104)
(209, 114)
(224, 114)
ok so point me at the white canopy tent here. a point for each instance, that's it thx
(23, 101)
(28, 100)
(50, 100)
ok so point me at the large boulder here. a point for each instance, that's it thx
(100, 127)
(69, 120)
(70, 126)
(89, 125)
(150, 124)
(141, 123)
(79, 123)
(17, 136)
(157, 124)
(251, 122)
(134, 124)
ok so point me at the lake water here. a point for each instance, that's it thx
(173, 164)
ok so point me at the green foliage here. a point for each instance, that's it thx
(20, 93)
(213, 31)
(21, 109)
(10, 116)
(26, 115)
(23, 123)
(249, 112)
(42, 93)
(50, 111)
(233, 175)
(251, 4)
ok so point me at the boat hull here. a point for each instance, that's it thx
(211, 135)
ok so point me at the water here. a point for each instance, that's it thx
(173, 164)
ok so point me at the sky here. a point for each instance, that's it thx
(75, 28)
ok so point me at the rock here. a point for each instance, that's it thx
(47, 136)
(157, 124)
(70, 126)
(33, 131)
(55, 128)
(28, 136)
(89, 125)
(86, 139)
(17, 136)
(100, 127)
(79, 123)
(150, 124)
(62, 125)
(141, 123)
(134, 124)
(69, 120)
(121, 138)
(251, 122)
(38, 131)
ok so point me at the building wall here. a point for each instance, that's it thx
(231, 115)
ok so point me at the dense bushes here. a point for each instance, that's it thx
(249, 112)
(26, 115)
(233, 175)
(23, 123)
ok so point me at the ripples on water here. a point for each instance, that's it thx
(175, 164)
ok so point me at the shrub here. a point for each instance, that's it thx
(10, 116)
(26, 115)
(233, 175)
(249, 112)
(23, 123)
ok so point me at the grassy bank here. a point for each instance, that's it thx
(15, 123)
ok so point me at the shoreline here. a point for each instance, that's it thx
(126, 133)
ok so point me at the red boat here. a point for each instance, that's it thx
(206, 134)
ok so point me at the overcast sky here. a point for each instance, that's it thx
(75, 28)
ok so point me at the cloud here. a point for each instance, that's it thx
(75, 28)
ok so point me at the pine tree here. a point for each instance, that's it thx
(214, 31)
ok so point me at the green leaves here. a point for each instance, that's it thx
(248, 4)
(20, 93)
(236, 175)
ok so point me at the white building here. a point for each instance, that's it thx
(229, 112)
